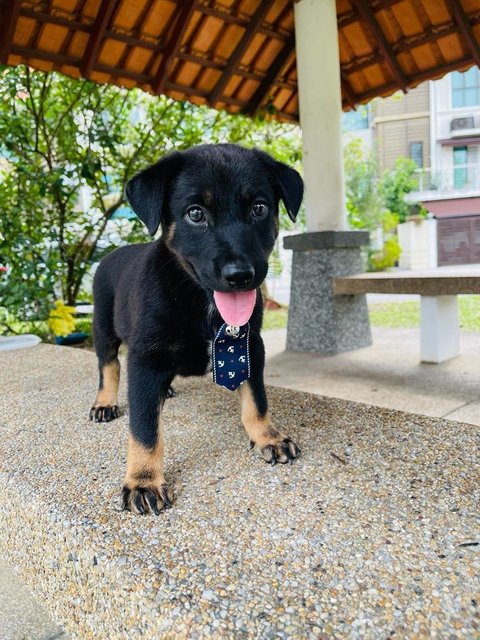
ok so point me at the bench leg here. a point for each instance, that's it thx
(439, 331)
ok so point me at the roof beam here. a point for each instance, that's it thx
(250, 31)
(417, 78)
(388, 54)
(407, 44)
(10, 17)
(102, 20)
(267, 83)
(287, 9)
(215, 64)
(344, 19)
(267, 30)
(62, 59)
(348, 91)
(465, 27)
(136, 28)
(75, 25)
(173, 45)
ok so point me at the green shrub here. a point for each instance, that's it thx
(387, 257)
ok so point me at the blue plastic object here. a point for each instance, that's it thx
(72, 338)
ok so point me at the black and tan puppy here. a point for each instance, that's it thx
(218, 209)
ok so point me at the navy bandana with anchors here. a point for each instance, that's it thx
(231, 356)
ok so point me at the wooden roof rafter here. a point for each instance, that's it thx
(76, 25)
(291, 99)
(266, 84)
(173, 45)
(267, 41)
(105, 14)
(226, 16)
(465, 28)
(391, 61)
(137, 29)
(350, 17)
(67, 41)
(464, 63)
(8, 28)
(249, 34)
(348, 91)
(244, 72)
(181, 61)
(214, 43)
(428, 36)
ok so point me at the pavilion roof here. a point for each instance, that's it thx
(238, 54)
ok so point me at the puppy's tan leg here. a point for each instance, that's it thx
(271, 444)
(105, 407)
(145, 489)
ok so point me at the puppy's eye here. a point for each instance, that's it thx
(196, 214)
(259, 210)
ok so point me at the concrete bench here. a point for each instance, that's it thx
(439, 328)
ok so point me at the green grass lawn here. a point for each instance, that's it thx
(407, 314)
(395, 315)
(275, 319)
(392, 315)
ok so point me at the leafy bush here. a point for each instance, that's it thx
(365, 208)
(375, 202)
(394, 186)
(387, 257)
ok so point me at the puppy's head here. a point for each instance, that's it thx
(218, 208)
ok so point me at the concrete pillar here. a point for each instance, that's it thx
(319, 321)
(318, 68)
(439, 328)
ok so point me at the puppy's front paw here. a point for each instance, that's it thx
(146, 500)
(283, 451)
(104, 414)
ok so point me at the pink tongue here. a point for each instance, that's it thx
(235, 308)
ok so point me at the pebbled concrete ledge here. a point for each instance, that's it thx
(370, 534)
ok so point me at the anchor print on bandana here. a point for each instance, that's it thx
(231, 356)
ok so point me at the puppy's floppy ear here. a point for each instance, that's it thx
(147, 191)
(289, 183)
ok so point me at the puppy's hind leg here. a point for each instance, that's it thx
(105, 407)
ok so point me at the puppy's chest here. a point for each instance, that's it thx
(192, 357)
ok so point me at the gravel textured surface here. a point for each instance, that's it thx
(373, 533)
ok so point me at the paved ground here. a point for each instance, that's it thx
(21, 615)
(388, 374)
(373, 533)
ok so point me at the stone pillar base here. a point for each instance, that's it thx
(319, 321)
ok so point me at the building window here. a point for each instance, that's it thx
(356, 120)
(466, 88)
(465, 166)
(416, 153)
(460, 170)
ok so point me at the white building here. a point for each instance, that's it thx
(438, 126)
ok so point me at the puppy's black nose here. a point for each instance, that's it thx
(238, 275)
